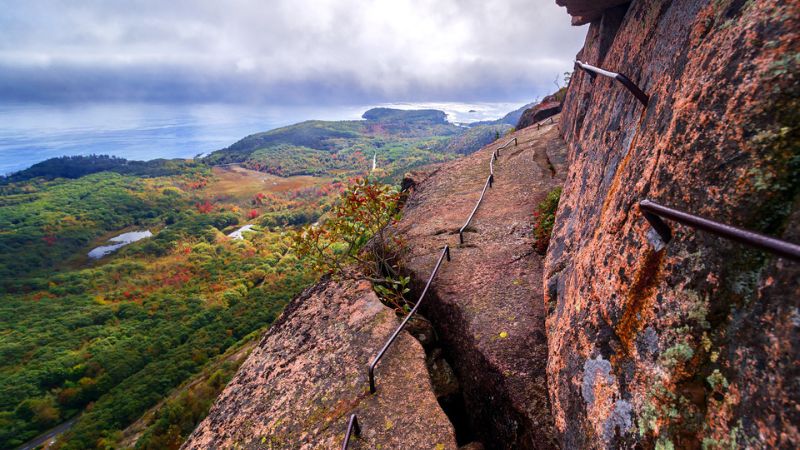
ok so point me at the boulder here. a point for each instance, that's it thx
(299, 386)
(585, 11)
(547, 108)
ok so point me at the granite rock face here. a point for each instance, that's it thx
(693, 343)
(548, 107)
(308, 374)
(585, 11)
(487, 302)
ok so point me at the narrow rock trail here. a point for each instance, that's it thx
(487, 303)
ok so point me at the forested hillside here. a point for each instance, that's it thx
(400, 139)
(78, 166)
(115, 336)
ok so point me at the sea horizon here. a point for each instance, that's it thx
(31, 133)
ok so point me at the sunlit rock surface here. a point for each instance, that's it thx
(696, 344)
(309, 373)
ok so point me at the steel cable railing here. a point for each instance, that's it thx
(625, 81)
(539, 124)
(352, 428)
(514, 140)
(491, 167)
(488, 184)
(474, 210)
(653, 212)
(371, 371)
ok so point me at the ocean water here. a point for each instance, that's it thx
(30, 133)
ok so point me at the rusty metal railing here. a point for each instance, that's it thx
(474, 210)
(653, 212)
(539, 124)
(352, 428)
(514, 140)
(371, 371)
(491, 168)
(488, 184)
(625, 81)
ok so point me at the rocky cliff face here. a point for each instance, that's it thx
(548, 107)
(308, 374)
(693, 344)
(585, 11)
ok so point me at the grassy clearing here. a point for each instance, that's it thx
(238, 184)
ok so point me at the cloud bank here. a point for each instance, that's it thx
(283, 51)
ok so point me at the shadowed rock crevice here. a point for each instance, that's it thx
(446, 384)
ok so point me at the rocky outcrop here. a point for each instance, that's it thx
(585, 11)
(694, 343)
(548, 107)
(486, 304)
(308, 374)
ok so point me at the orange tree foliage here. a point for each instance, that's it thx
(354, 236)
(362, 212)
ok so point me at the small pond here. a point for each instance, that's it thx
(118, 242)
(239, 234)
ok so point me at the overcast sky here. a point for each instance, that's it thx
(283, 51)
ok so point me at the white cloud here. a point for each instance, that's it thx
(284, 50)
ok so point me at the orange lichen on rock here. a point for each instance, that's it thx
(701, 333)
(640, 300)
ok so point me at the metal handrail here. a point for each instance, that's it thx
(352, 425)
(488, 183)
(491, 167)
(371, 371)
(653, 212)
(514, 140)
(625, 81)
(539, 124)
(474, 210)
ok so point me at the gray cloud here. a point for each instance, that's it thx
(285, 51)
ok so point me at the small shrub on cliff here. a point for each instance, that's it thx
(354, 236)
(544, 218)
(561, 94)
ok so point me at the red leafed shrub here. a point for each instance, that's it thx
(197, 184)
(252, 214)
(258, 199)
(355, 235)
(205, 207)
